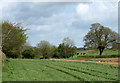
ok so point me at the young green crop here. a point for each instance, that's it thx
(51, 70)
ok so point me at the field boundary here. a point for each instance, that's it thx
(116, 63)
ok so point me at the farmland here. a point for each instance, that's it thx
(90, 54)
(59, 41)
(52, 70)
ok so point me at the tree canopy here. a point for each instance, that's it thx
(67, 48)
(100, 37)
(46, 49)
(13, 36)
(28, 53)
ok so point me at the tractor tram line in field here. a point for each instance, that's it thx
(99, 75)
(58, 69)
(93, 71)
(64, 70)
(48, 72)
(53, 70)
(87, 67)
(90, 68)
(49, 65)
(87, 73)
(79, 71)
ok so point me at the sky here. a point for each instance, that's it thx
(53, 21)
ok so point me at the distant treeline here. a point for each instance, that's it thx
(14, 43)
(45, 50)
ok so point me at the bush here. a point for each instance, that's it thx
(37, 53)
(65, 51)
(13, 54)
(46, 49)
(28, 53)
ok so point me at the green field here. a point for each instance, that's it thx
(51, 70)
(107, 53)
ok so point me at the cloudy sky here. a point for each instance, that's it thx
(53, 21)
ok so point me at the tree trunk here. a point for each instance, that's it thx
(101, 50)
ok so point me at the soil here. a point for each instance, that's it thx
(112, 59)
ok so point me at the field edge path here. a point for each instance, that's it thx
(116, 63)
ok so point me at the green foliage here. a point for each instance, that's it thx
(51, 70)
(65, 51)
(46, 49)
(28, 53)
(13, 54)
(52, 51)
(60, 50)
(73, 51)
(55, 52)
(13, 37)
(37, 53)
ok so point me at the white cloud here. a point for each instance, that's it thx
(52, 22)
(82, 9)
(43, 28)
(97, 10)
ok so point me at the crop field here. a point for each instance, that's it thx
(52, 70)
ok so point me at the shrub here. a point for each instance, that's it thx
(65, 51)
(13, 54)
(28, 53)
